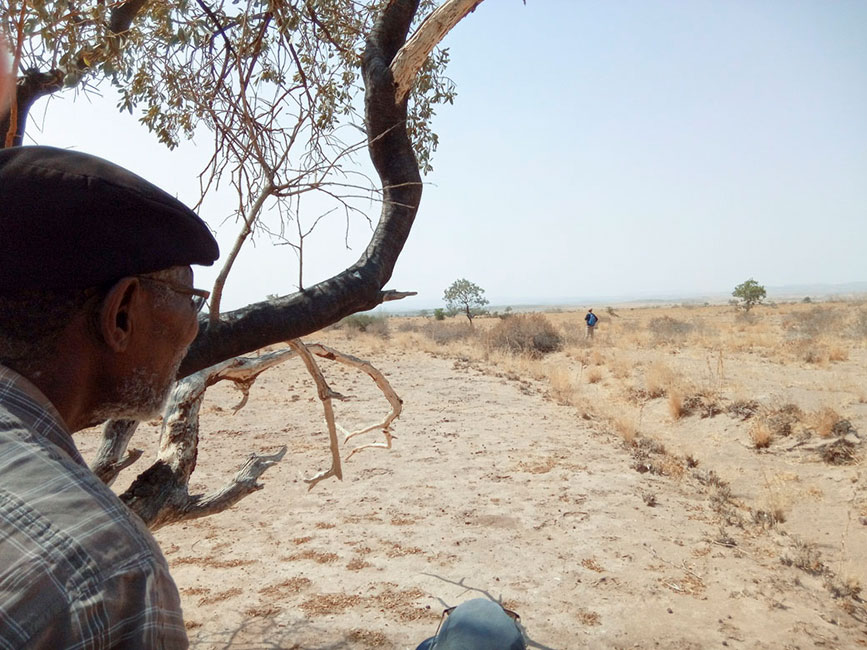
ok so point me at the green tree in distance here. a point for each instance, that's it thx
(465, 296)
(749, 293)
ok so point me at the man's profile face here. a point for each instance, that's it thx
(173, 325)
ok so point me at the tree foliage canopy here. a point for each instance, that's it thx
(750, 293)
(465, 296)
(276, 87)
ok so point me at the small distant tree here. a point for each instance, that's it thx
(749, 294)
(439, 313)
(467, 297)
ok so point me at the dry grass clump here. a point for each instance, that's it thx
(743, 408)
(761, 434)
(782, 420)
(675, 403)
(620, 368)
(529, 334)
(811, 352)
(562, 386)
(769, 518)
(840, 452)
(705, 403)
(594, 375)
(773, 423)
(624, 424)
(824, 421)
(805, 557)
(838, 353)
(844, 587)
(658, 378)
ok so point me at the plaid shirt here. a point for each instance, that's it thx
(77, 568)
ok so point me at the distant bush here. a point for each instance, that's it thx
(858, 328)
(407, 325)
(666, 329)
(530, 334)
(439, 313)
(809, 324)
(442, 333)
(366, 323)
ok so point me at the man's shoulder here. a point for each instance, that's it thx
(41, 483)
(55, 508)
(67, 538)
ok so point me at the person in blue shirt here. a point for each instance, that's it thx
(591, 319)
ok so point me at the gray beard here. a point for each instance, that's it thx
(141, 396)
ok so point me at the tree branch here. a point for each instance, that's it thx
(412, 56)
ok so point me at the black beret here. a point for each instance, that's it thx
(69, 220)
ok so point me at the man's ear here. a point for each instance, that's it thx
(119, 312)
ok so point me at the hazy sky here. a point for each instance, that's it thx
(600, 149)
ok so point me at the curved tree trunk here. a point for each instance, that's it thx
(360, 286)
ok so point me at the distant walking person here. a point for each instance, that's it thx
(591, 321)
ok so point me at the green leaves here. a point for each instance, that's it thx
(750, 293)
(465, 296)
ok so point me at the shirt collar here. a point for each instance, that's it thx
(26, 402)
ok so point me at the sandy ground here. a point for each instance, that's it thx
(494, 489)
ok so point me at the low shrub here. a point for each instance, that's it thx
(530, 334)
(783, 420)
(666, 329)
(366, 323)
(441, 332)
(761, 434)
(858, 328)
(824, 421)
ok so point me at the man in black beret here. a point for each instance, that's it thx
(97, 310)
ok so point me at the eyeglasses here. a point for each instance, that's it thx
(513, 615)
(197, 296)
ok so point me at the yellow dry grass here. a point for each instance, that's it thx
(823, 420)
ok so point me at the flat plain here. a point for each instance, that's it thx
(692, 478)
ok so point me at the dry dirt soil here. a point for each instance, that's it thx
(564, 488)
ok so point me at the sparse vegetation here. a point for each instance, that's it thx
(772, 377)
(666, 329)
(529, 334)
(369, 323)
